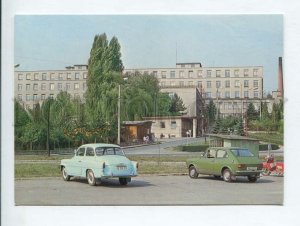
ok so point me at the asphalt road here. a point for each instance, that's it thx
(150, 190)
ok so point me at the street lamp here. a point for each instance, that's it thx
(119, 114)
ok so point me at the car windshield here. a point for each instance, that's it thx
(242, 153)
(109, 151)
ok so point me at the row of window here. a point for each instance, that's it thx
(228, 94)
(204, 73)
(173, 125)
(218, 84)
(52, 76)
(37, 97)
(51, 86)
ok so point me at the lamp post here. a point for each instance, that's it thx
(119, 114)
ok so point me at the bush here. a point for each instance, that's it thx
(264, 147)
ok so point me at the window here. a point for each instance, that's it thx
(236, 73)
(237, 94)
(208, 73)
(69, 76)
(43, 86)
(20, 77)
(44, 76)
(51, 96)
(27, 87)
(210, 154)
(172, 83)
(227, 94)
(51, 86)
(28, 76)
(163, 84)
(77, 76)
(35, 86)
(199, 84)
(172, 74)
(208, 94)
(246, 94)
(182, 65)
(181, 83)
(227, 83)
(255, 72)
(246, 83)
(84, 86)
(19, 87)
(36, 76)
(255, 94)
(221, 154)
(146, 72)
(173, 124)
(218, 84)
(181, 74)
(246, 72)
(68, 86)
(52, 76)
(191, 74)
(191, 83)
(218, 94)
(199, 73)
(59, 86)
(162, 125)
(60, 76)
(237, 83)
(76, 86)
(163, 74)
(85, 75)
(227, 73)
(43, 97)
(89, 152)
(28, 97)
(35, 96)
(20, 97)
(218, 73)
(255, 83)
(154, 73)
(208, 84)
(80, 152)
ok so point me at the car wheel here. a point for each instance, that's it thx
(252, 178)
(217, 177)
(65, 175)
(123, 181)
(227, 175)
(193, 172)
(91, 178)
(266, 172)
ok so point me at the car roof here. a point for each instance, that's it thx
(95, 145)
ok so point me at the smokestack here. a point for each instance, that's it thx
(280, 77)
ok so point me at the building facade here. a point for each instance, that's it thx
(32, 87)
(231, 88)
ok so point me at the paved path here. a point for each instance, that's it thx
(150, 190)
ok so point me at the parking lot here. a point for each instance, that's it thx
(150, 190)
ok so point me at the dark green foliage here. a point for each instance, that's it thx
(194, 148)
(252, 114)
(211, 112)
(229, 125)
(177, 105)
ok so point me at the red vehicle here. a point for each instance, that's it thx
(270, 166)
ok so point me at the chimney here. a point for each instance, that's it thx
(280, 77)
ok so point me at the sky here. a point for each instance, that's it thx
(50, 42)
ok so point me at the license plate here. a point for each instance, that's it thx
(252, 168)
(121, 167)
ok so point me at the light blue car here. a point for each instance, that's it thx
(99, 161)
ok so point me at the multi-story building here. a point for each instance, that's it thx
(231, 88)
(32, 87)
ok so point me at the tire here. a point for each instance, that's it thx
(193, 172)
(217, 177)
(252, 178)
(227, 175)
(91, 178)
(266, 172)
(65, 175)
(123, 181)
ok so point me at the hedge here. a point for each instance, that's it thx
(264, 147)
(194, 148)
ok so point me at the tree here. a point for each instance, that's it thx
(177, 105)
(252, 114)
(264, 111)
(211, 111)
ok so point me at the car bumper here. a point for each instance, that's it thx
(247, 172)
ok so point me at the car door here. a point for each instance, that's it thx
(206, 163)
(220, 161)
(76, 164)
(88, 160)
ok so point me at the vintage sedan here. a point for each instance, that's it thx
(227, 162)
(99, 161)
